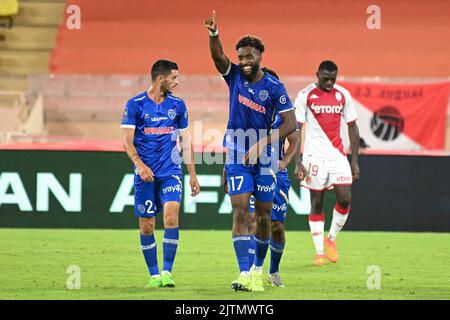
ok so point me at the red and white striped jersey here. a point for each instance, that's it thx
(323, 112)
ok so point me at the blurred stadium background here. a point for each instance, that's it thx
(63, 89)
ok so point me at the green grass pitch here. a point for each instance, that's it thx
(33, 265)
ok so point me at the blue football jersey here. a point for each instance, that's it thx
(280, 146)
(156, 131)
(252, 106)
(276, 125)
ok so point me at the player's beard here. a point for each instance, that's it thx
(165, 90)
(252, 75)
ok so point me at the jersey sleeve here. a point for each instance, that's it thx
(183, 119)
(349, 112)
(231, 74)
(300, 107)
(129, 115)
(282, 101)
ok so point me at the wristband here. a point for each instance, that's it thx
(215, 33)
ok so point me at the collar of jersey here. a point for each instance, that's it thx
(252, 84)
(153, 101)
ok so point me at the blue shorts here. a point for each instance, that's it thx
(149, 197)
(281, 198)
(255, 179)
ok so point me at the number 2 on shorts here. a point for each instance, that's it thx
(149, 203)
(233, 186)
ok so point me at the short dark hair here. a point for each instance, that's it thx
(328, 65)
(271, 72)
(162, 67)
(250, 41)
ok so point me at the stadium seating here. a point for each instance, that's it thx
(27, 46)
(125, 36)
(25, 50)
(91, 106)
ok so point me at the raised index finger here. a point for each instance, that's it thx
(214, 16)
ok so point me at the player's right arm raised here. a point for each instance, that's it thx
(220, 59)
(144, 172)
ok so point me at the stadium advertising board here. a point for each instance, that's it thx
(66, 189)
(86, 189)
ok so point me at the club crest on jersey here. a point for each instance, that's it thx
(338, 96)
(263, 95)
(141, 208)
(283, 99)
(147, 116)
(171, 113)
(125, 114)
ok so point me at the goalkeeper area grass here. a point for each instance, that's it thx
(43, 263)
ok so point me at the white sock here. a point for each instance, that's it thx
(339, 218)
(316, 224)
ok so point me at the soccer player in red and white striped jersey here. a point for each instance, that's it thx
(323, 106)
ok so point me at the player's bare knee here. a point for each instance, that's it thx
(147, 226)
(277, 232)
(316, 202)
(252, 229)
(277, 227)
(316, 208)
(240, 221)
(316, 205)
(263, 221)
(344, 202)
(252, 224)
(240, 214)
(171, 221)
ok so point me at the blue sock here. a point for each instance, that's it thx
(241, 245)
(148, 245)
(170, 245)
(251, 250)
(261, 251)
(276, 251)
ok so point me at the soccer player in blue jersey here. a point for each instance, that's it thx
(280, 202)
(152, 123)
(255, 98)
(279, 209)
